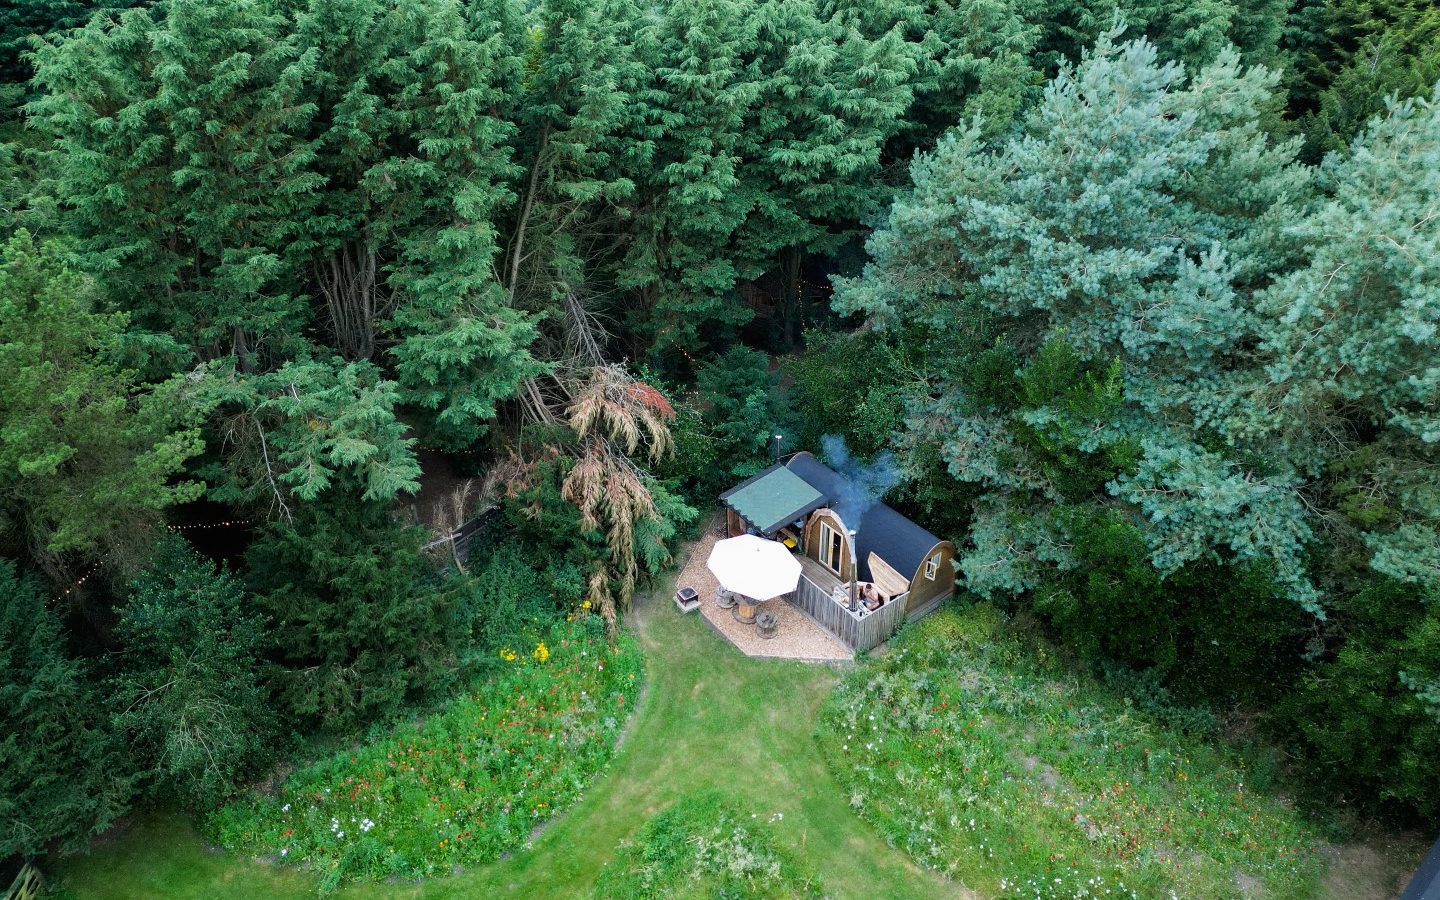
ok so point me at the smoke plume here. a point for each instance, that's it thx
(867, 483)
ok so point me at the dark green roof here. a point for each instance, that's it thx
(773, 498)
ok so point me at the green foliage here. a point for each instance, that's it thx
(1351, 56)
(756, 132)
(63, 776)
(850, 385)
(1210, 632)
(741, 412)
(188, 697)
(469, 783)
(977, 754)
(512, 592)
(22, 20)
(703, 847)
(1193, 33)
(89, 455)
(1132, 176)
(551, 527)
(355, 153)
(293, 433)
(1367, 715)
(1355, 330)
(362, 622)
(183, 160)
(974, 58)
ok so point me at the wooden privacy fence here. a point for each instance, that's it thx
(851, 629)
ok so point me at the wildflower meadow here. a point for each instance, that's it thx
(985, 760)
(462, 786)
(705, 847)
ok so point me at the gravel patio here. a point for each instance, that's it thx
(797, 637)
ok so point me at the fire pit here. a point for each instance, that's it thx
(766, 624)
(687, 599)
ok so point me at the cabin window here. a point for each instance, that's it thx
(932, 567)
(830, 546)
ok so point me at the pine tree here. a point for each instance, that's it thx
(1352, 337)
(1083, 287)
(22, 21)
(828, 103)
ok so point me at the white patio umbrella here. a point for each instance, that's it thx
(754, 567)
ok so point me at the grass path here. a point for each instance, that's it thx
(710, 718)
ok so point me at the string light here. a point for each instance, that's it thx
(83, 578)
(228, 523)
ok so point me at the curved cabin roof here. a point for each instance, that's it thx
(880, 529)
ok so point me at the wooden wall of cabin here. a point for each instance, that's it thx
(924, 590)
(734, 525)
(812, 539)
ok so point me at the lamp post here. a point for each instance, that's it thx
(779, 439)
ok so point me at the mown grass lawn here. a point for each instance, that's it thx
(982, 759)
(714, 723)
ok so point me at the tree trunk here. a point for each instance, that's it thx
(791, 298)
(348, 281)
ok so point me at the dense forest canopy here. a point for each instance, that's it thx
(1144, 296)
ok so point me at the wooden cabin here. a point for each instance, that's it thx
(813, 509)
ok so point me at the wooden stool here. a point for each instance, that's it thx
(766, 624)
(724, 599)
(745, 610)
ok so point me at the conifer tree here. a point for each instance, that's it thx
(89, 455)
(693, 93)
(974, 58)
(1085, 286)
(1352, 338)
(183, 162)
(63, 776)
(305, 433)
(461, 347)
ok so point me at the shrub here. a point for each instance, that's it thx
(741, 410)
(190, 700)
(1363, 716)
(703, 847)
(363, 623)
(63, 776)
(465, 785)
(1209, 632)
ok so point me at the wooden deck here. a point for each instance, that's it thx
(859, 631)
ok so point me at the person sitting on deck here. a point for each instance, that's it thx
(873, 598)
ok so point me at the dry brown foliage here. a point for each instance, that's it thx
(615, 416)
